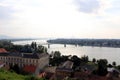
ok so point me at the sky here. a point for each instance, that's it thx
(60, 18)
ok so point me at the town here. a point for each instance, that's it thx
(34, 60)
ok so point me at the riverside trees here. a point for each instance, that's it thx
(28, 48)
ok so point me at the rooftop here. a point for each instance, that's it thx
(50, 69)
(2, 50)
(67, 65)
(33, 55)
(30, 55)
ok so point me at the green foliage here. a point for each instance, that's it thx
(85, 58)
(114, 63)
(57, 54)
(23, 48)
(34, 45)
(5, 44)
(76, 60)
(57, 59)
(102, 67)
(16, 48)
(118, 67)
(7, 75)
(33, 78)
(94, 60)
(41, 49)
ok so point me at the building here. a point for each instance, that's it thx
(39, 60)
(64, 70)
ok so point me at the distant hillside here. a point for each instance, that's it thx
(5, 37)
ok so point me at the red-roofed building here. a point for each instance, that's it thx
(29, 68)
(2, 50)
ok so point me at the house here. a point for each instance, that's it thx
(64, 70)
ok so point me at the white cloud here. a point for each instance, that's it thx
(92, 6)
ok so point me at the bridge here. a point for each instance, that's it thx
(49, 44)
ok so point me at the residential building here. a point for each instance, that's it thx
(64, 70)
(39, 60)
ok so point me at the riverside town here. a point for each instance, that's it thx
(33, 62)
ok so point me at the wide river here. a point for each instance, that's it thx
(111, 54)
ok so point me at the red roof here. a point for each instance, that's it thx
(29, 68)
(2, 50)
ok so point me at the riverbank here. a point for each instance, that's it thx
(115, 43)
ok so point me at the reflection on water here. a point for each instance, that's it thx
(111, 54)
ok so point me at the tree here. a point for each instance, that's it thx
(102, 67)
(110, 66)
(114, 63)
(26, 48)
(85, 58)
(76, 60)
(34, 45)
(41, 49)
(57, 54)
(56, 60)
(118, 67)
(6, 44)
(94, 60)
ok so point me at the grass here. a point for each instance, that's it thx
(10, 75)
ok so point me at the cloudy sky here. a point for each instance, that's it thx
(60, 18)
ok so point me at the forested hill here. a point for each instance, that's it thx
(88, 42)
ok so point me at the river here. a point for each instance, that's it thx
(111, 54)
